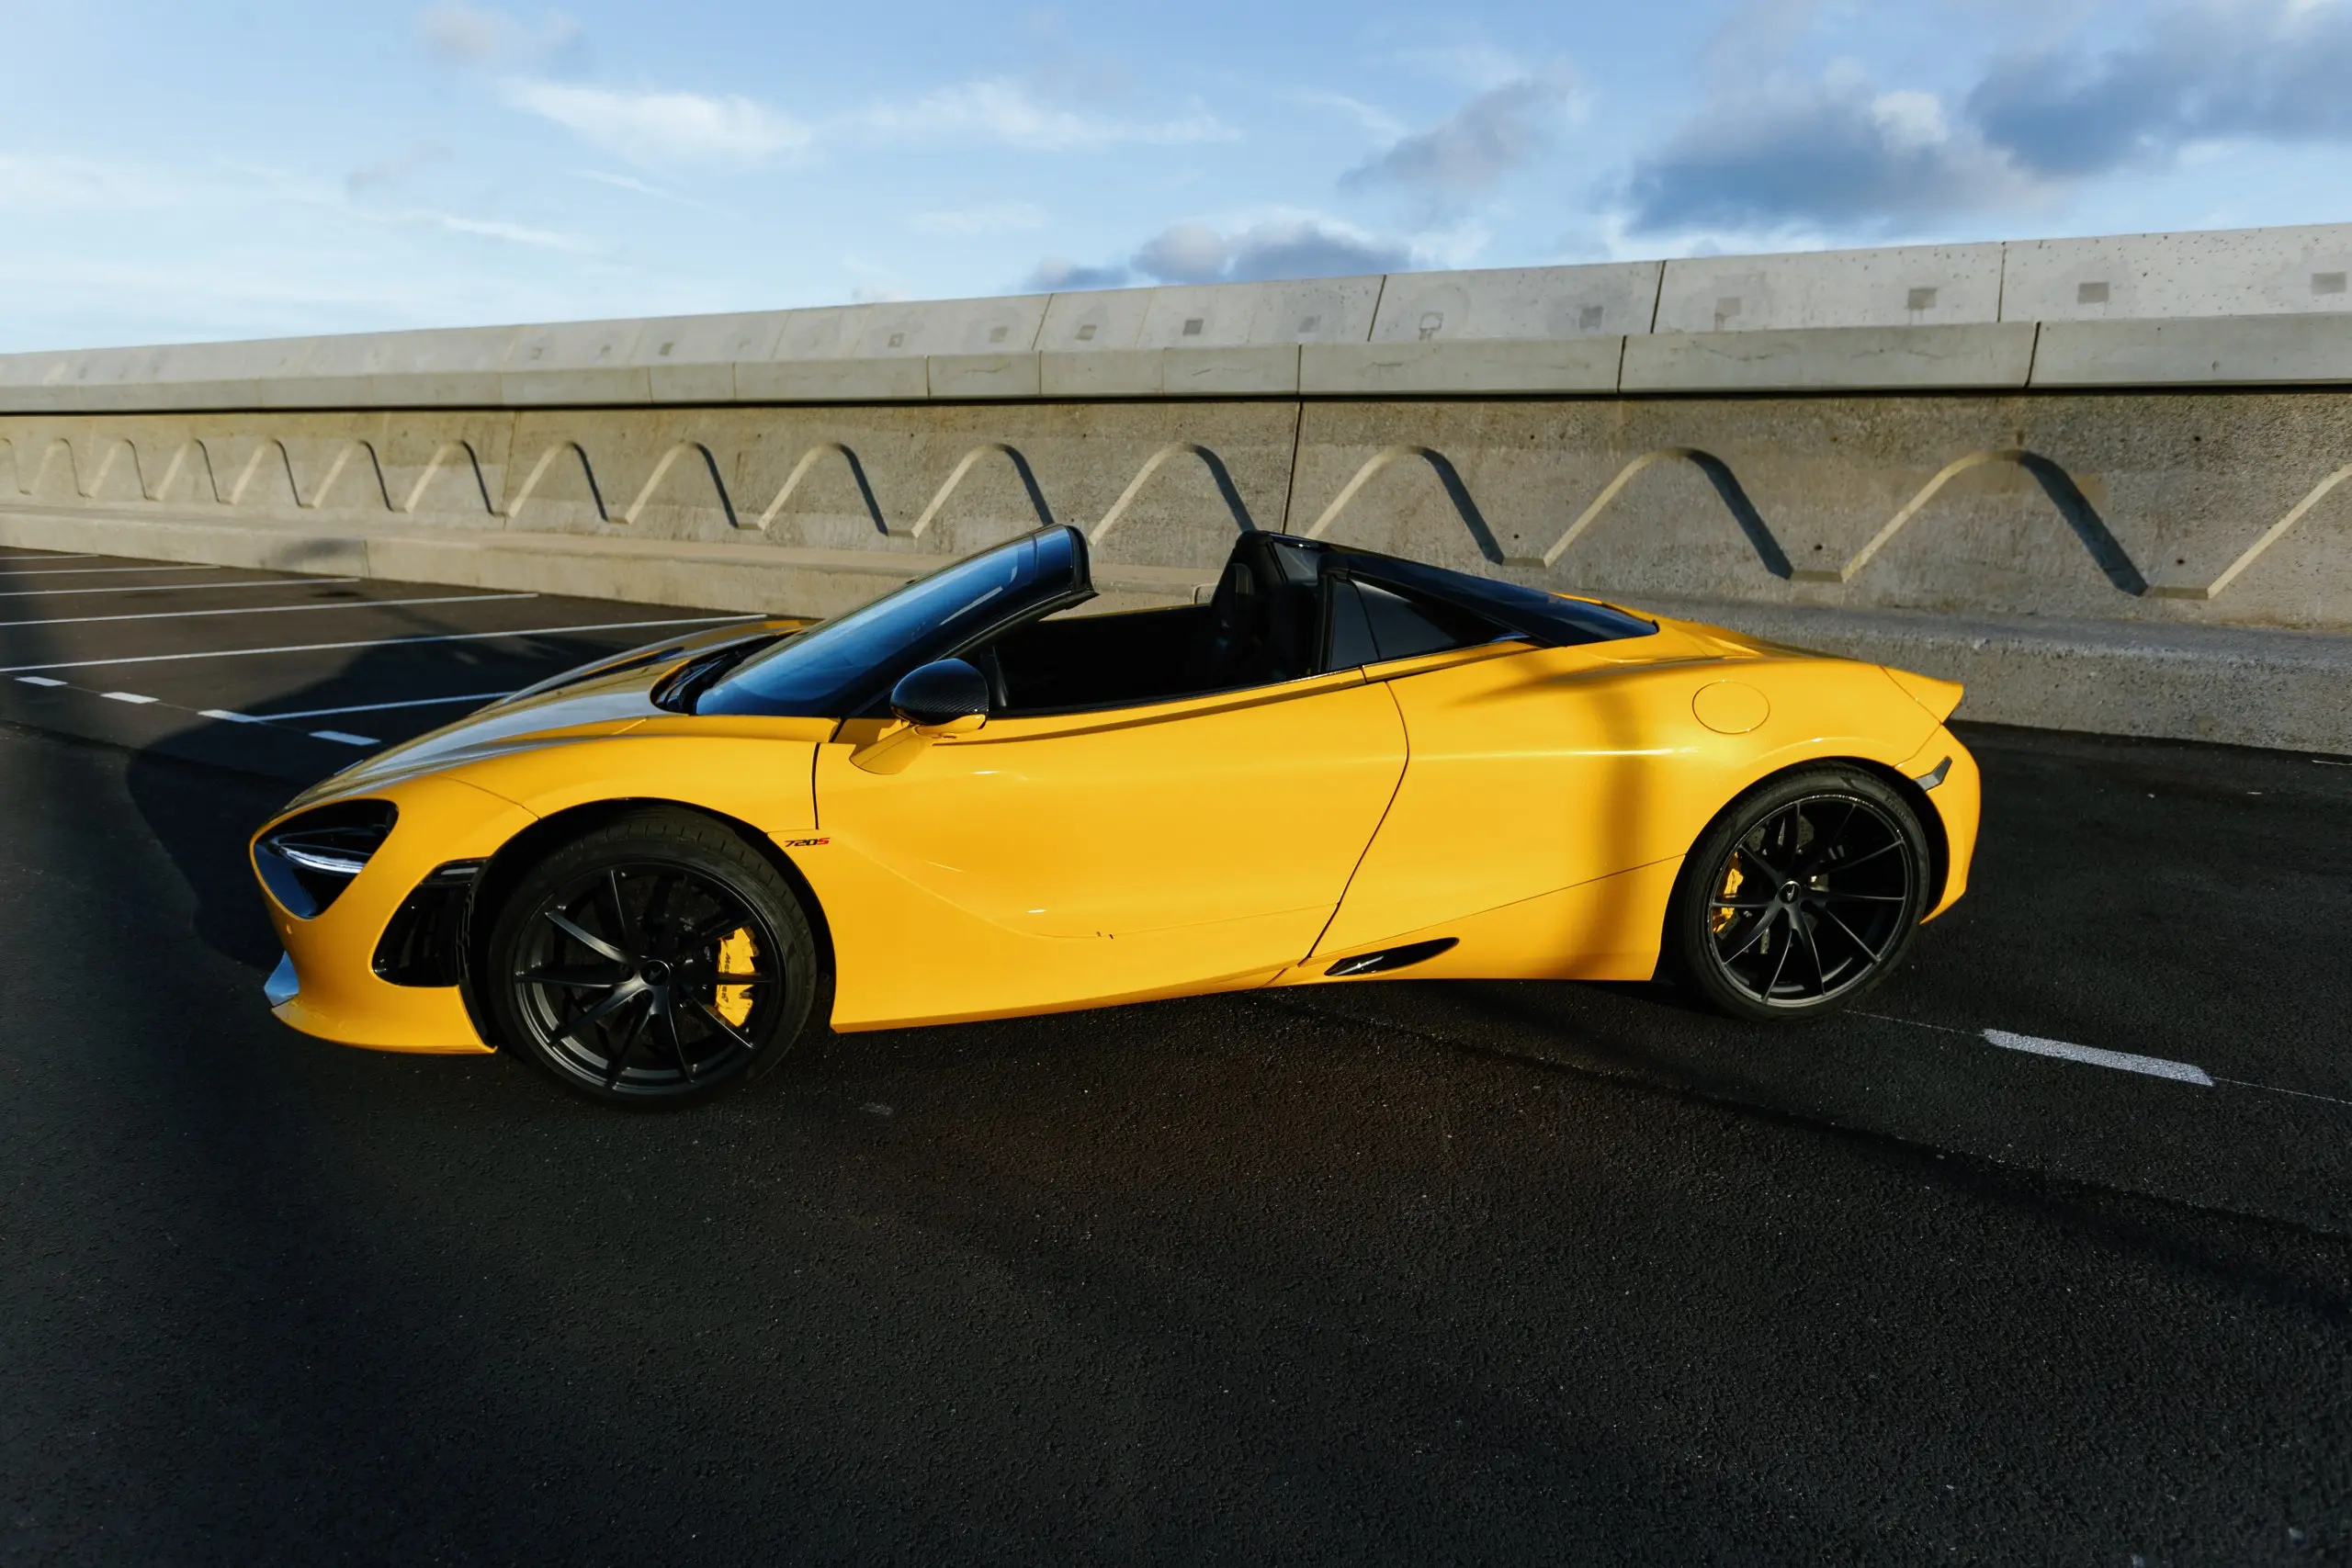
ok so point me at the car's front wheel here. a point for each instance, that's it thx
(655, 959)
(1803, 895)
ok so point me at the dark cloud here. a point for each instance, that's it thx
(1837, 153)
(2270, 71)
(1267, 252)
(1830, 152)
(1485, 138)
(1054, 274)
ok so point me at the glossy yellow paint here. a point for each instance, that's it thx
(1550, 768)
(1532, 804)
(1050, 862)
(441, 819)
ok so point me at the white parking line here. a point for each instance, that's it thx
(2122, 1061)
(172, 587)
(348, 740)
(39, 681)
(125, 697)
(374, 708)
(102, 571)
(264, 609)
(376, 642)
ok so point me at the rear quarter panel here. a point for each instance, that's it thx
(1548, 771)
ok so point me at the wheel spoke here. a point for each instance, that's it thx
(1757, 860)
(1851, 935)
(1820, 975)
(710, 1015)
(1774, 983)
(1820, 894)
(577, 979)
(1755, 934)
(581, 935)
(611, 888)
(1860, 860)
(618, 996)
(711, 929)
(657, 905)
(618, 1061)
(669, 1031)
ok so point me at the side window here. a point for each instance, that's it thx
(1369, 625)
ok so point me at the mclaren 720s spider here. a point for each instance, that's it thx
(968, 800)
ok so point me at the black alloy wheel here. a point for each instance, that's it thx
(1803, 895)
(655, 961)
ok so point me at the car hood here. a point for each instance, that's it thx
(605, 706)
(605, 697)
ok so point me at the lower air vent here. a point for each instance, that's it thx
(423, 945)
(1381, 963)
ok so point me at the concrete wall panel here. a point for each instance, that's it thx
(1232, 315)
(1831, 358)
(2233, 350)
(1905, 285)
(2244, 271)
(1095, 320)
(952, 326)
(1538, 302)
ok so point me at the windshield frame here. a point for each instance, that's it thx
(826, 672)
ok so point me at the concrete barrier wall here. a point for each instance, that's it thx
(2137, 524)
(1258, 338)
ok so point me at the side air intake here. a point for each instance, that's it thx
(1390, 958)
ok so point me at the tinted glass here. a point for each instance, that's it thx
(844, 665)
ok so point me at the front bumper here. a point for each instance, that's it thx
(326, 984)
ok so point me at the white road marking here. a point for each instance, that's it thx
(348, 738)
(103, 571)
(2122, 1061)
(39, 681)
(377, 642)
(222, 713)
(171, 587)
(266, 609)
(125, 697)
(374, 708)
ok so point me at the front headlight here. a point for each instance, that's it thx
(307, 860)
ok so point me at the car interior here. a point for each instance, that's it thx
(1276, 616)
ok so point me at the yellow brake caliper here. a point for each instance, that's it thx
(738, 954)
(1722, 916)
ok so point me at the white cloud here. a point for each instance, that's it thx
(1374, 119)
(995, 218)
(1006, 112)
(654, 128)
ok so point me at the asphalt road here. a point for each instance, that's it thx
(1391, 1272)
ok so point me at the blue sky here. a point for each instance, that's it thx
(186, 171)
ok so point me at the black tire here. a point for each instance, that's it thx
(608, 960)
(1802, 896)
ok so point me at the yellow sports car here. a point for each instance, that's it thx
(966, 801)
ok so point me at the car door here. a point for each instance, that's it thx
(1059, 859)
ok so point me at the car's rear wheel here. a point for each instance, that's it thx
(655, 959)
(1803, 895)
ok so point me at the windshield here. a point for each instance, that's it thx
(842, 666)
